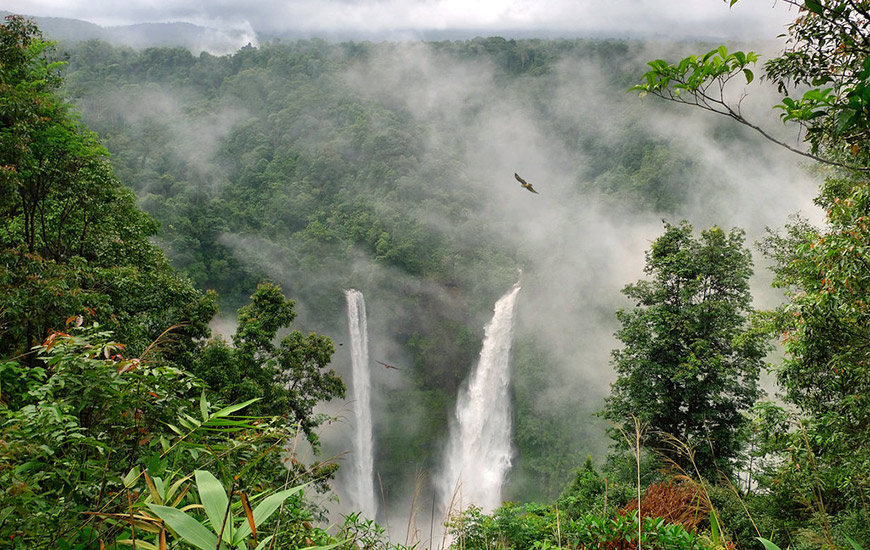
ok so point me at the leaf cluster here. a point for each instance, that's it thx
(290, 378)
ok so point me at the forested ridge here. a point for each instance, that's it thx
(301, 169)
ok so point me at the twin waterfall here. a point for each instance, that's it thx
(478, 454)
(362, 490)
(479, 451)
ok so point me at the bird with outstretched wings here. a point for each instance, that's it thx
(386, 365)
(525, 184)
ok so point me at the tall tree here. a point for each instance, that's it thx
(690, 362)
(825, 330)
(291, 377)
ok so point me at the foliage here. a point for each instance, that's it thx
(359, 534)
(690, 364)
(72, 238)
(585, 494)
(218, 508)
(535, 526)
(811, 468)
(742, 515)
(827, 50)
(823, 328)
(290, 378)
(71, 425)
(699, 80)
(771, 546)
(92, 428)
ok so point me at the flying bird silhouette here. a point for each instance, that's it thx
(525, 184)
(386, 365)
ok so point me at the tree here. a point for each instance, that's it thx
(827, 51)
(73, 240)
(824, 328)
(690, 362)
(290, 378)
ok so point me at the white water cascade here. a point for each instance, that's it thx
(478, 453)
(362, 491)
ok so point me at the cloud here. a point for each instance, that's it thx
(694, 18)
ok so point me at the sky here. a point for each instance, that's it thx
(747, 19)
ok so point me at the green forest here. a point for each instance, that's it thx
(178, 231)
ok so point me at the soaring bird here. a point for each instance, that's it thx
(525, 184)
(386, 365)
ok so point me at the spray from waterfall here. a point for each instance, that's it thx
(362, 493)
(479, 449)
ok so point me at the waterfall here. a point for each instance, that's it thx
(362, 493)
(478, 453)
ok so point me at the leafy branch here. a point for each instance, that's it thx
(702, 81)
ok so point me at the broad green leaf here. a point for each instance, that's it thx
(852, 542)
(203, 406)
(214, 500)
(327, 547)
(139, 544)
(715, 535)
(156, 494)
(266, 509)
(226, 411)
(264, 542)
(161, 488)
(192, 531)
(175, 486)
(749, 76)
(814, 6)
(130, 479)
(193, 421)
(768, 545)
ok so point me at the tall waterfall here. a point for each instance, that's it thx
(479, 450)
(362, 493)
